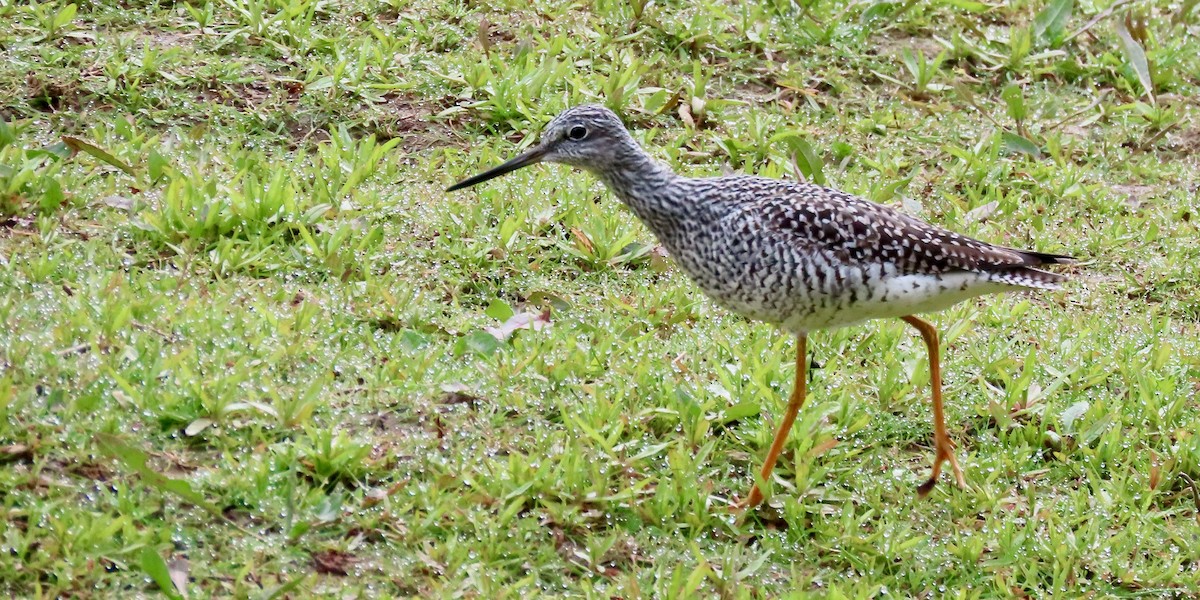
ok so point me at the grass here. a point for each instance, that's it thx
(251, 349)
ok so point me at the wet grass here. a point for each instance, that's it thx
(252, 349)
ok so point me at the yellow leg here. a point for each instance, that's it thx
(799, 390)
(941, 440)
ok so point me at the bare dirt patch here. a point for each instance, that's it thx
(412, 120)
(47, 95)
(894, 46)
(1187, 142)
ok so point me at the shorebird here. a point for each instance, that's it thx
(801, 256)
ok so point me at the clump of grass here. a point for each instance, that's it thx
(30, 178)
(242, 220)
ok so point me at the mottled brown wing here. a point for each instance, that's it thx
(859, 231)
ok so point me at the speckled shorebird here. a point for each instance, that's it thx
(798, 255)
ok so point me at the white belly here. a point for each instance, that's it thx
(896, 296)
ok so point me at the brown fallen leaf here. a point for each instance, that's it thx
(822, 448)
(583, 240)
(333, 562)
(1155, 470)
(685, 115)
(92, 470)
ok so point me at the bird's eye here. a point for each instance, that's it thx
(577, 132)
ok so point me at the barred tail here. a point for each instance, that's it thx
(1041, 258)
(1029, 277)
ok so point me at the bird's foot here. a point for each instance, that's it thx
(754, 499)
(945, 453)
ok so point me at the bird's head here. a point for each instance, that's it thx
(588, 136)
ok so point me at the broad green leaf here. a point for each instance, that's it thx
(967, 5)
(890, 190)
(649, 451)
(1016, 102)
(52, 194)
(78, 145)
(413, 340)
(542, 298)
(1096, 429)
(7, 135)
(911, 62)
(156, 568)
(806, 158)
(158, 165)
(323, 83)
(57, 151)
(64, 16)
(877, 10)
(499, 310)
(741, 410)
(658, 101)
(1049, 24)
(1072, 414)
(1018, 144)
(478, 342)
(1136, 56)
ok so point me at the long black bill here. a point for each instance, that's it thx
(528, 158)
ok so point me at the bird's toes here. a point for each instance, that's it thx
(924, 489)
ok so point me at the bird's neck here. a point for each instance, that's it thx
(648, 187)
